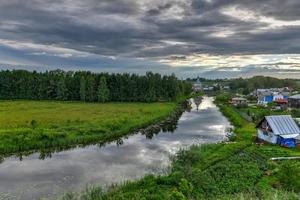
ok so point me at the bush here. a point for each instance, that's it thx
(296, 113)
(33, 124)
(177, 195)
(288, 175)
(185, 187)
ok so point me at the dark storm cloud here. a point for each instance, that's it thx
(153, 29)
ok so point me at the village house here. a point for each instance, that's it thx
(294, 101)
(279, 129)
(280, 104)
(238, 101)
(265, 96)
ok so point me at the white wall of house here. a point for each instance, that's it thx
(269, 137)
(278, 96)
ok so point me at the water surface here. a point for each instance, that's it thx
(129, 158)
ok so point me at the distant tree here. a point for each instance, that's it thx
(150, 90)
(90, 88)
(82, 89)
(103, 91)
(61, 91)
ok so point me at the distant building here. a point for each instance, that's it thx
(294, 101)
(265, 96)
(197, 87)
(279, 129)
(226, 87)
(281, 104)
(208, 89)
(238, 101)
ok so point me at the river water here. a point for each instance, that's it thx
(127, 159)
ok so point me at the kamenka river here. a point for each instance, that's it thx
(126, 159)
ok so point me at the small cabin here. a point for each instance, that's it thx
(238, 101)
(279, 129)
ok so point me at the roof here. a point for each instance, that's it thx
(268, 99)
(290, 136)
(281, 101)
(297, 96)
(283, 124)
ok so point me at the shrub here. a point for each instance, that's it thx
(185, 187)
(288, 175)
(296, 113)
(177, 196)
(33, 124)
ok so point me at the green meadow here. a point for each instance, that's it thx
(29, 125)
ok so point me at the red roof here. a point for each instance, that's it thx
(281, 101)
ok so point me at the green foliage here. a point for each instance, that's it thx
(288, 175)
(33, 124)
(185, 187)
(82, 90)
(61, 89)
(246, 86)
(91, 87)
(223, 98)
(296, 113)
(103, 92)
(232, 115)
(176, 195)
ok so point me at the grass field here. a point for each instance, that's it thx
(28, 125)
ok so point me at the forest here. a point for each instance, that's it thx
(90, 87)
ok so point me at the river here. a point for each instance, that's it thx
(130, 158)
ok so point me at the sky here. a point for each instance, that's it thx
(207, 38)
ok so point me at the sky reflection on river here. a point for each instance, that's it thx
(73, 169)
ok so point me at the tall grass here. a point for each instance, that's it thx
(27, 125)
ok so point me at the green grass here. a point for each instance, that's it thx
(29, 125)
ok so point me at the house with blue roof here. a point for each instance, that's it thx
(265, 96)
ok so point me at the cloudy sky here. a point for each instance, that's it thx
(210, 38)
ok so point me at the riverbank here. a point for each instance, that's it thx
(39, 125)
(239, 170)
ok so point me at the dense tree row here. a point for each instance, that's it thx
(90, 87)
(250, 84)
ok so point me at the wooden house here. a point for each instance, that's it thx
(279, 129)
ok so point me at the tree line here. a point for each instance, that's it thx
(91, 87)
(250, 84)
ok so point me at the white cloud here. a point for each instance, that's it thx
(247, 15)
(281, 61)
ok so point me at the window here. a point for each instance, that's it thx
(265, 133)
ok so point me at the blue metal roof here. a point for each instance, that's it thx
(268, 99)
(283, 124)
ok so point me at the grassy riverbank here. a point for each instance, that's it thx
(237, 170)
(29, 125)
